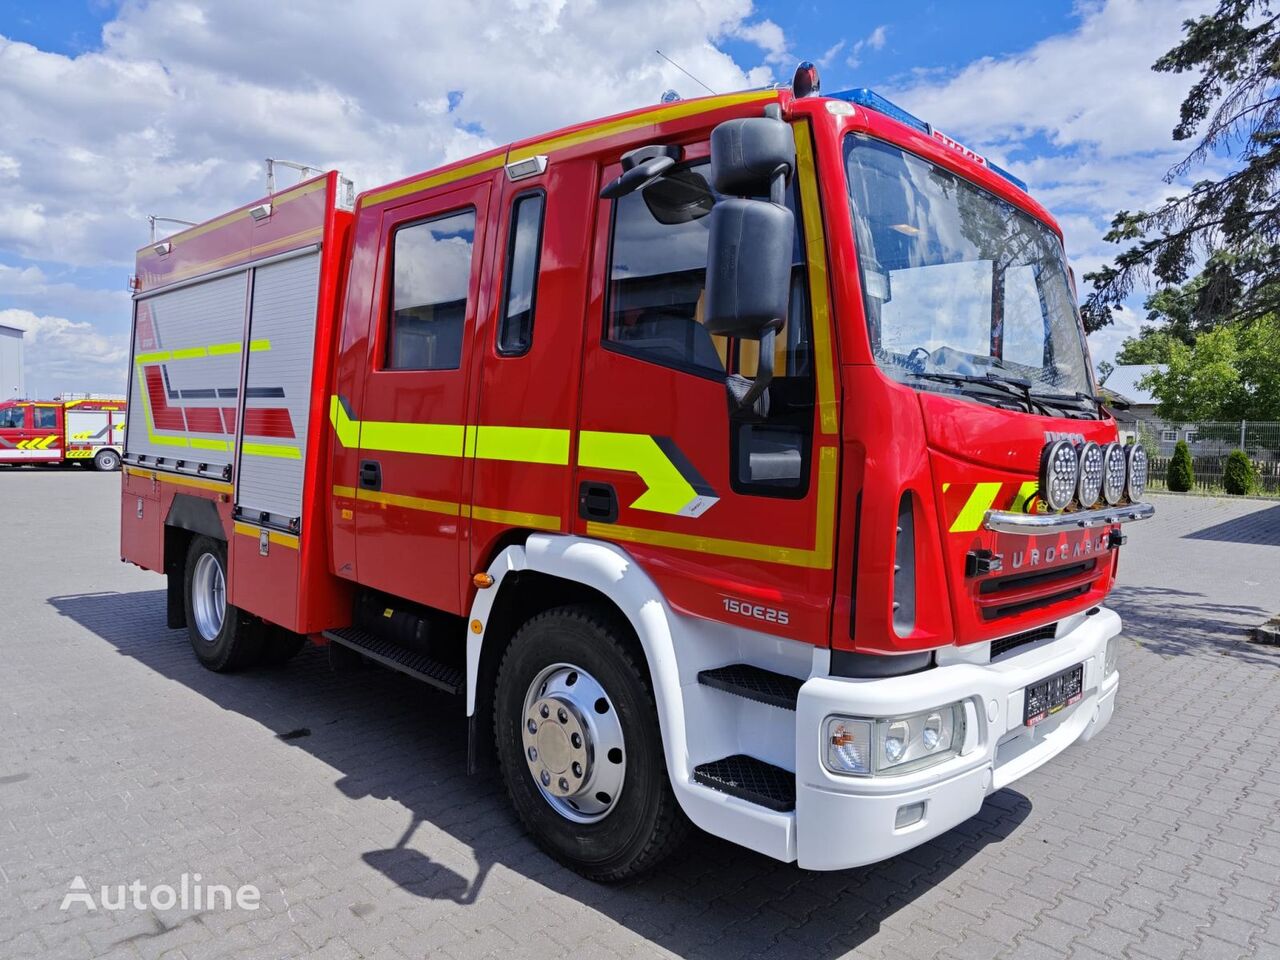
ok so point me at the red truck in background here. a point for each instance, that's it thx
(62, 431)
(737, 461)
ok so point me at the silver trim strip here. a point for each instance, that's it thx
(1033, 524)
(227, 271)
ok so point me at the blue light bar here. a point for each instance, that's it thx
(866, 97)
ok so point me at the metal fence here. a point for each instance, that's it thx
(1210, 442)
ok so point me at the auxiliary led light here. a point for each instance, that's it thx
(1089, 486)
(1136, 484)
(1114, 473)
(1058, 472)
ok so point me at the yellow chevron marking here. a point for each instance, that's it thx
(976, 507)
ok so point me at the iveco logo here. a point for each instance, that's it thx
(1052, 436)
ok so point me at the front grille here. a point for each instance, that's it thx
(1020, 581)
(1022, 606)
(1005, 644)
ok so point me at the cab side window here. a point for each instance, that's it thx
(46, 418)
(13, 418)
(524, 251)
(657, 281)
(431, 274)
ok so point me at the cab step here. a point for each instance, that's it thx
(415, 664)
(754, 683)
(750, 779)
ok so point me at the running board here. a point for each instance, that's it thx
(417, 665)
(750, 779)
(754, 683)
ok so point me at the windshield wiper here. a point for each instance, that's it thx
(1014, 387)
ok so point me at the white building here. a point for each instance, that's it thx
(12, 385)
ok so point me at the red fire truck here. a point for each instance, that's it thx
(737, 461)
(62, 431)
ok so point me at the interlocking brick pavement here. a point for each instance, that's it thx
(122, 759)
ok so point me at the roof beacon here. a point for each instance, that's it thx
(865, 97)
(805, 83)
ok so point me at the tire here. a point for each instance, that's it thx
(280, 646)
(224, 637)
(106, 460)
(641, 822)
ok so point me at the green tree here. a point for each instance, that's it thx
(1180, 477)
(1238, 475)
(1231, 373)
(1230, 224)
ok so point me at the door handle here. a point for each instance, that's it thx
(370, 475)
(597, 501)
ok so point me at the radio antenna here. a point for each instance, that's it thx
(685, 72)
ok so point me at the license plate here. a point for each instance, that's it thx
(1046, 697)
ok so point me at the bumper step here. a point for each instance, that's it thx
(417, 665)
(754, 683)
(750, 779)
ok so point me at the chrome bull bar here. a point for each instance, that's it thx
(1035, 524)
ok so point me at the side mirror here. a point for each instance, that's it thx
(636, 177)
(750, 242)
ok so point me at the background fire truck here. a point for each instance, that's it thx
(62, 431)
(737, 461)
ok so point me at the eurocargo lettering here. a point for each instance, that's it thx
(737, 462)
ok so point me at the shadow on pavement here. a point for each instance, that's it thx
(393, 738)
(1174, 622)
(1261, 527)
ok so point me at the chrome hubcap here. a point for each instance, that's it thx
(209, 597)
(573, 743)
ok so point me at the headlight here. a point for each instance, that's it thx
(1136, 484)
(1058, 471)
(1089, 486)
(1114, 471)
(894, 745)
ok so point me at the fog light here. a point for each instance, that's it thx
(909, 814)
(848, 745)
(1111, 663)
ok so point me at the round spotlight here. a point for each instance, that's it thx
(1058, 471)
(1136, 484)
(895, 741)
(1089, 486)
(1114, 471)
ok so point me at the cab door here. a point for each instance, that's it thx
(732, 512)
(14, 433)
(410, 504)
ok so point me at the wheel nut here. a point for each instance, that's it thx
(564, 784)
(546, 779)
(545, 711)
(562, 716)
(577, 769)
(533, 753)
(576, 740)
(533, 727)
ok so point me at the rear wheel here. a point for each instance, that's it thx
(106, 460)
(580, 748)
(223, 636)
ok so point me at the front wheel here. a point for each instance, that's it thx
(580, 748)
(106, 460)
(223, 636)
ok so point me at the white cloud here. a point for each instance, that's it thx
(873, 41)
(175, 111)
(64, 354)
(1081, 117)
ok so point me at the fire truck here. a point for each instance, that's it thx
(736, 462)
(62, 431)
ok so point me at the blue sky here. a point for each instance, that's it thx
(110, 111)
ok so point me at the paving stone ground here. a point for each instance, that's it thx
(344, 798)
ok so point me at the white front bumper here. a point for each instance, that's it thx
(844, 821)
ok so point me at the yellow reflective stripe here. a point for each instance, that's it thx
(609, 128)
(273, 536)
(520, 444)
(272, 450)
(200, 443)
(668, 491)
(819, 557)
(348, 430)
(429, 439)
(816, 261)
(195, 353)
(1025, 493)
(517, 518)
(976, 507)
(277, 199)
(435, 180)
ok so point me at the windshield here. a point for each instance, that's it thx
(960, 286)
